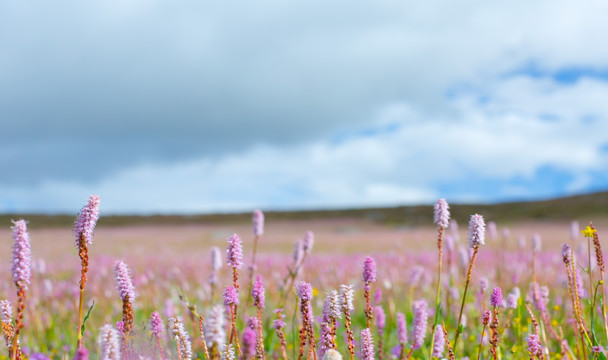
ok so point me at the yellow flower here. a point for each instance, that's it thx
(315, 292)
(588, 231)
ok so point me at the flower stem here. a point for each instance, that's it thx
(464, 295)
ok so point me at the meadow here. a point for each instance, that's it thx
(347, 288)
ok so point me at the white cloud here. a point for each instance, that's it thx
(216, 106)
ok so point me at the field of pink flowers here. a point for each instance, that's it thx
(317, 289)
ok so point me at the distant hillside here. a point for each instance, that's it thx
(583, 207)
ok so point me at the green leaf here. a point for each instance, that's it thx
(437, 314)
(86, 318)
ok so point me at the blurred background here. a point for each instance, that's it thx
(188, 107)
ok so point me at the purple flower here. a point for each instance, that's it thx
(120, 327)
(22, 255)
(511, 301)
(252, 322)
(258, 222)
(378, 296)
(483, 284)
(439, 343)
(401, 328)
(216, 258)
(477, 228)
(234, 252)
(325, 339)
(298, 253)
(534, 345)
(331, 307)
(347, 297)
(487, 317)
(496, 297)
(214, 326)
(308, 242)
(81, 354)
(492, 230)
(86, 220)
(231, 296)
(156, 324)
(257, 292)
(421, 316)
(176, 325)
(279, 323)
(369, 271)
(123, 282)
(367, 345)
(416, 274)
(109, 341)
(304, 291)
(442, 213)
(380, 318)
(7, 311)
(248, 340)
(566, 253)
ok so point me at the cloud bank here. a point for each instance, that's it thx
(189, 107)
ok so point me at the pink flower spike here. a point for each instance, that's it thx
(258, 222)
(367, 345)
(304, 291)
(308, 242)
(442, 213)
(156, 324)
(231, 296)
(123, 282)
(257, 292)
(369, 270)
(401, 328)
(421, 316)
(22, 255)
(496, 298)
(234, 252)
(477, 231)
(86, 221)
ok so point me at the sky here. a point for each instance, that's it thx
(207, 106)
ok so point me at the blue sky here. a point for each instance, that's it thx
(187, 107)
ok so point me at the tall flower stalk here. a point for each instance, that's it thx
(216, 264)
(421, 317)
(442, 219)
(369, 276)
(234, 259)
(83, 231)
(21, 269)
(599, 259)
(304, 292)
(301, 249)
(257, 293)
(156, 327)
(278, 325)
(257, 222)
(124, 284)
(495, 301)
(109, 343)
(477, 235)
(347, 302)
(231, 301)
(178, 332)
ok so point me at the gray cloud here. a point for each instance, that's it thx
(90, 92)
